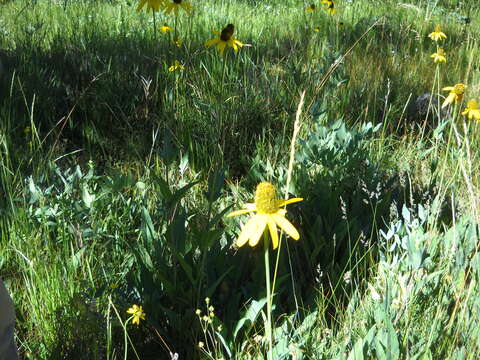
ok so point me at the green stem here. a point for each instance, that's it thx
(268, 327)
(223, 71)
(154, 25)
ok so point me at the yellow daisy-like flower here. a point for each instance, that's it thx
(455, 95)
(437, 34)
(317, 29)
(439, 56)
(472, 110)
(177, 65)
(165, 28)
(329, 6)
(153, 5)
(269, 213)
(311, 8)
(137, 314)
(226, 39)
(175, 5)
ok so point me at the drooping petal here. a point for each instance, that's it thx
(273, 231)
(212, 42)
(449, 100)
(141, 5)
(286, 225)
(186, 6)
(260, 223)
(232, 44)
(448, 88)
(221, 46)
(250, 228)
(239, 212)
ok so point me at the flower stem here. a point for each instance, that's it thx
(154, 25)
(268, 327)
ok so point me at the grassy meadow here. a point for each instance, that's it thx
(125, 143)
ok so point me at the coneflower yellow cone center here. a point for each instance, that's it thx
(265, 198)
(459, 89)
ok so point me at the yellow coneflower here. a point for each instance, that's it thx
(437, 34)
(153, 5)
(226, 39)
(329, 6)
(165, 28)
(311, 8)
(269, 213)
(177, 65)
(439, 56)
(472, 110)
(455, 95)
(175, 5)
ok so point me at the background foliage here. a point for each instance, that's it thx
(116, 176)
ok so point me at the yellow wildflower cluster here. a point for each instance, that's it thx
(328, 6)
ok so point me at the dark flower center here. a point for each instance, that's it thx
(177, 1)
(227, 33)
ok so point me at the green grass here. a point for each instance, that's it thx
(116, 176)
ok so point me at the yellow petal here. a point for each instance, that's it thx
(448, 88)
(261, 223)
(221, 46)
(212, 42)
(239, 212)
(253, 226)
(239, 43)
(273, 232)
(141, 5)
(449, 100)
(282, 203)
(232, 44)
(286, 226)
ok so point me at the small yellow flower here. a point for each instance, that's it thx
(207, 300)
(269, 214)
(437, 34)
(177, 42)
(198, 312)
(317, 29)
(153, 5)
(165, 28)
(311, 8)
(439, 56)
(175, 5)
(201, 344)
(226, 39)
(455, 95)
(472, 110)
(177, 65)
(137, 314)
(329, 6)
